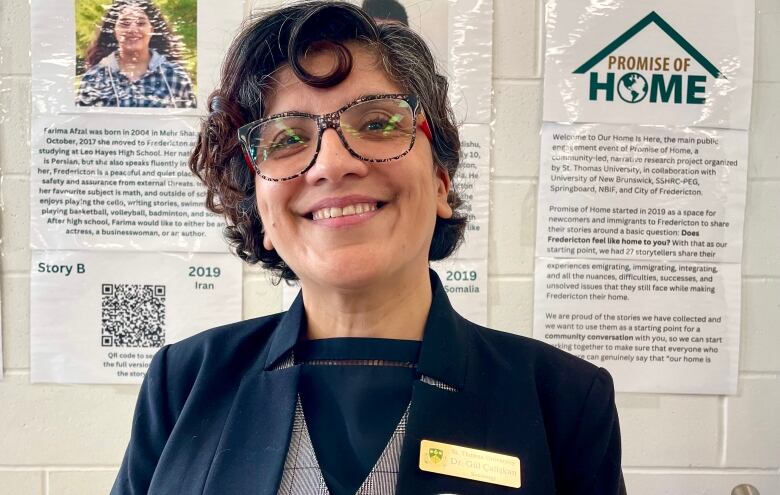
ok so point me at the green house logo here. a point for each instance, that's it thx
(657, 79)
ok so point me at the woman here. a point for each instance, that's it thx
(134, 61)
(340, 178)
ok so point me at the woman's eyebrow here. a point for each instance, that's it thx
(298, 109)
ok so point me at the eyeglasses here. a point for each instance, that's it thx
(376, 129)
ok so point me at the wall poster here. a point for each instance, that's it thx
(125, 257)
(1, 340)
(642, 186)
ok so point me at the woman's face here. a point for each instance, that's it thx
(385, 245)
(133, 30)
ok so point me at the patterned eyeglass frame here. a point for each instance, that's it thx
(332, 121)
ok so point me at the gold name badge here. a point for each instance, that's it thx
(472, 464)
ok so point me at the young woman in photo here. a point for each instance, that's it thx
(134, 61)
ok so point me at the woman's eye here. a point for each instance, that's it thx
(376, 125)
(283, 144)
(287, 139)
(381, 123)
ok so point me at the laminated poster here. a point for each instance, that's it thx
(653, 62)
(1, 332)
(1, 341)
(117, 219)
(642, 186)
(97, 317)
(109, 152)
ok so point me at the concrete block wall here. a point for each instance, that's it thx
(69, 439)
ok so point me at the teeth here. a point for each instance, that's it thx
(348, 210)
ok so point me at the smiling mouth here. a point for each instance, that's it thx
(349, 210)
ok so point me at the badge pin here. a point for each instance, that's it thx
(472, 464)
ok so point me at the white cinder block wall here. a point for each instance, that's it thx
(58, 440)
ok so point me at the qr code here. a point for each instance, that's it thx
(133, 315)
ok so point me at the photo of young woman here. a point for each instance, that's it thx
(134, 60)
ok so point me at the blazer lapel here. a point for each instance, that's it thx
(443, 416)
(437, 413)
(254, 442)
(256, 434)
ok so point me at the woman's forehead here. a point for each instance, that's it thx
(132, 12)
(367, 77)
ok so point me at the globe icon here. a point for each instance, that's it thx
(632, 87)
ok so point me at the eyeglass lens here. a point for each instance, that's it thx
(374, 130)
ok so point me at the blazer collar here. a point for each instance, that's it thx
(286, 334)
(445, 345)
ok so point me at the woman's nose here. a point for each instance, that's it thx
(334, 162)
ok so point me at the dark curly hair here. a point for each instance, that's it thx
(163, 40)
(384, 10)
(282, 37)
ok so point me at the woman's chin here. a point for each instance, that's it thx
(351, 278)
(349, 274)
(131, 48)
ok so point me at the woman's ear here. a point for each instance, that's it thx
(443, 184)
(267, 244)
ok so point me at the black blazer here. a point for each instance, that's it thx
(214, 416)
